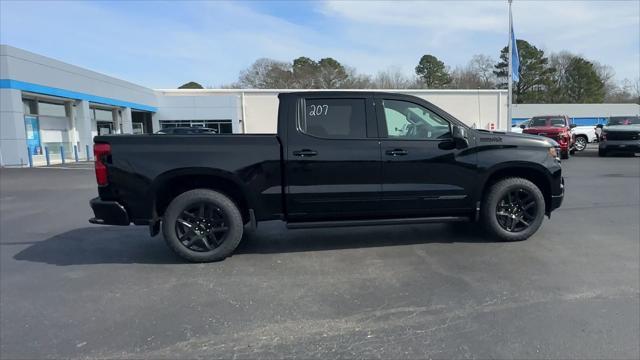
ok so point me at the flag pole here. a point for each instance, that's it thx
(510, 75)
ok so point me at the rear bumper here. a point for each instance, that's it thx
(108, 213)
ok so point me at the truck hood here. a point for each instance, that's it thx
(544, 129)
(622, 128)
(510, 138)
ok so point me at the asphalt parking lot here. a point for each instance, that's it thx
(71, 289)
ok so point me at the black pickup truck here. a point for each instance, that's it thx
(339, 159)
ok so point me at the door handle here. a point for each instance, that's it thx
(305, 153)
(397, 152)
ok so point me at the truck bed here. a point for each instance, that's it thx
(140, 164)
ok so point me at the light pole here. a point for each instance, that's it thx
(510, 74)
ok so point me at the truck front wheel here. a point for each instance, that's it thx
(513, 209)
(202, 225)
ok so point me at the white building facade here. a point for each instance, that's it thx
(52, 110)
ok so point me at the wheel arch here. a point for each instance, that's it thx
(175, 182)
(535, 173)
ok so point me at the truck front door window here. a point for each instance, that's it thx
(334, 118)
(411, 121)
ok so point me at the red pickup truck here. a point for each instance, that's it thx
(556, 127)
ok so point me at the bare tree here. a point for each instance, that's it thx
(267, 73)
(607, 75)
(465, 78)
(393, 78)
(627, 92)
(357, 81)
(482, 66)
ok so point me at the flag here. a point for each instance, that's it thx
(515, 58)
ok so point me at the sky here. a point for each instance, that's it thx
(165, 44)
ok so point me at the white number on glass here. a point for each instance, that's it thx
(318, 110)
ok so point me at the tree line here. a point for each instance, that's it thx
(561, 77)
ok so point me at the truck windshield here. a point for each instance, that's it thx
(623, 120)
(548, 121)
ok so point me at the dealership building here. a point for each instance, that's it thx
(51, 109)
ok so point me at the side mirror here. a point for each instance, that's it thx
(459, 135)
(571, 126)
(600, 126)
(523, 126)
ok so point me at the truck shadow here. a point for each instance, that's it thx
(127, 245)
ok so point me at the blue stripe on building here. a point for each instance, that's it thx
(46, 90)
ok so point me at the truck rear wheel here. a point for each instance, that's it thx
(202, 225)
(513, 209)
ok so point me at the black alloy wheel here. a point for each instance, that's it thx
(202, 227)
(516, 210)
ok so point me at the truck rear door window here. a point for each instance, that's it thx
(334, 118)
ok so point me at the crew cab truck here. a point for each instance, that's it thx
(556, 127)
(621, 134)
(338, 159)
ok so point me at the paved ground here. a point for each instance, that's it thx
(70, 289)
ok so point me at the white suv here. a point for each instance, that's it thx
(584, 135)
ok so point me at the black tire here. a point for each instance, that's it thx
(581, 143)
(602, 153)
(494, 204)
(564, 155)
(203, 245)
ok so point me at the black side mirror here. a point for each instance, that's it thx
(571, 126)
(459, 135)
(600, 126)
(523, 126)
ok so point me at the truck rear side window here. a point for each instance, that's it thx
(334, 118)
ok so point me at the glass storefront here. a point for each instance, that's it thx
(221, 126)
(104, 119)
(47, 126)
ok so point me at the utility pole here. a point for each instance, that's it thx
(510, 75)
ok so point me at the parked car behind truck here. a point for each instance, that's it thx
(556, 127)
(583, 134)
(338, 159)
(620, 135)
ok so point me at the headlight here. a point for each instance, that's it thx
(553, 153)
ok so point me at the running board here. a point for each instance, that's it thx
(346, 223)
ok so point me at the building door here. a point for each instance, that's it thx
(105, 128)
(32, 129)
(141, 122)
(137, 128)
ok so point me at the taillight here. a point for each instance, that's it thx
(100, 154)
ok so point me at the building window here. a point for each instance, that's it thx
(30, 106)
(52, 109)
(101, 115)
(220, 126)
